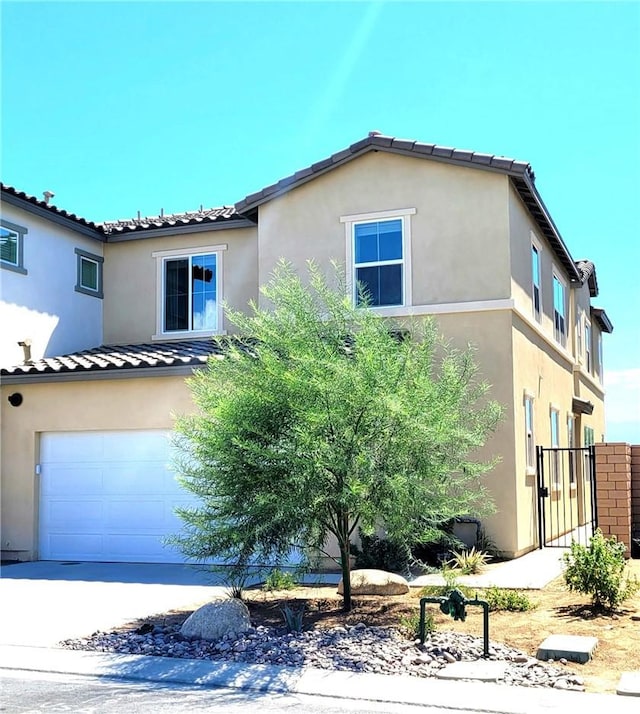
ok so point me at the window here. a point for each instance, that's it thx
(559, 310)
(571, 443)
(530, 447)
(378, 262)
(535, 279)
(555, 444)
(12, 247)
(378, 253)
(587, 346)
(189, 292)
(88, 273)
(600, 365)
(588, 441)
(579, 340)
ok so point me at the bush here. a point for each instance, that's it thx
(598, 570)
(450, 583)
(470, 562)
(381, 554)
(278, 580)
(510, 600)
(410, 625)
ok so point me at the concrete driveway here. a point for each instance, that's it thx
(46, 602)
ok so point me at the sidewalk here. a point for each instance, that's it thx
(456, 695)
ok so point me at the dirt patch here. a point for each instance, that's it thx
(558, 612)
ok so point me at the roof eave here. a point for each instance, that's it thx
(87, 375)
(601, 317)
(53, 214)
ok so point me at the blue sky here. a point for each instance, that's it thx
(119, 107)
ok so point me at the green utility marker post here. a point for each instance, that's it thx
(455, 605)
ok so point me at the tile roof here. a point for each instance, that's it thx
(520, 172)
(375, 142)
(588, 272)
(170, 220)
(119, 358)
(601, 317)
(50, 208)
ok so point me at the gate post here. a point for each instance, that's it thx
(613, 491)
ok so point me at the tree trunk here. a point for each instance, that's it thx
(345, 562)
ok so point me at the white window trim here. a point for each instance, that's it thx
(349, 222)
(93, 258)
(20, 231)
(160, 256)
(588, 347)
(599, 352)
(530, 441)
(535, 243)
(557, 275)
(580, 335)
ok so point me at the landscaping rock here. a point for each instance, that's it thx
(375, 582)
(216, 619)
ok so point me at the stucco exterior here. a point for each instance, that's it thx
(133, 273)
(41, 304)
(92, 405)
(468, 231)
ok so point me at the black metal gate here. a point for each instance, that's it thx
(567, 509)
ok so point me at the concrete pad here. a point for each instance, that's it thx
(478, 670)
(629, 684)
(574, 648)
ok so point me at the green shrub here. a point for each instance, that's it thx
(510, 600)
(381, 554)
(278, 580)
(470, 562)
(598, 570)
(410, 625)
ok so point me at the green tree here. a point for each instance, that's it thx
(325, 419)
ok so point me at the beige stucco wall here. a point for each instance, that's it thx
(131, 289)
(143, 403)
(459, 232)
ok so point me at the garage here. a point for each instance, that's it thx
(108, 496)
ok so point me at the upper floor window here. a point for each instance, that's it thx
(89, 273)
(189, 297)
(587, 347)
(535, 280)
(378, 256)
(600, 364)
(579, 335)
(530, 447)
(12, 247)
(559, 310)
(378, 262)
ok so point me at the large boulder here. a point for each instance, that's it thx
(375, 582)
(228, 616)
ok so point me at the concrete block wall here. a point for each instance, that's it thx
(613, 491)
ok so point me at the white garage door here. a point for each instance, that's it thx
(108, 496)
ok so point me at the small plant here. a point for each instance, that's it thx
(470, 562)
(450, 583)
(279, 580)
(410, 625)
(510, 600)
(293, 619)
(598, 570)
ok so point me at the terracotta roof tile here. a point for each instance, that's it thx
(169, 220)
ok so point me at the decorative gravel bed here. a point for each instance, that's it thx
(356, 648)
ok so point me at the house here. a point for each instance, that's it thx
(459, 235)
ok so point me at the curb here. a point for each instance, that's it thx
(402, 689)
